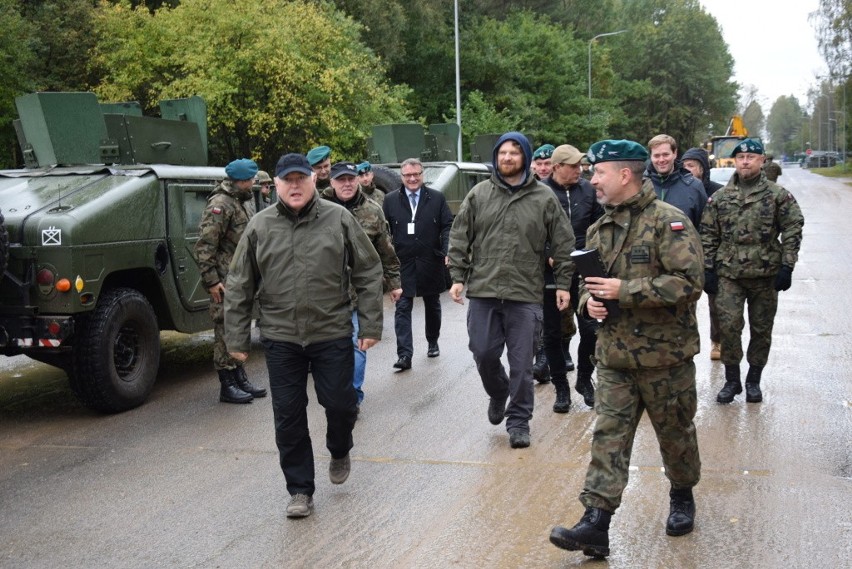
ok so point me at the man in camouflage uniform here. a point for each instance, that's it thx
(771, 168)
(222, 224)
(319, 158)
(366, 183)
(345, 191)
(652, 253)
(267, 189)
(751, 232)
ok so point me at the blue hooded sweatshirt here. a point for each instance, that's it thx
(526, 148)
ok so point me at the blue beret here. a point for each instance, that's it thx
(318, 154)
(364, 167)
(616, 151)
(748, 145)
(545, 151)
(242, 169)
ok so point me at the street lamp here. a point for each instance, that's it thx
(591, 41)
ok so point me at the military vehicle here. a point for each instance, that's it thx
(102, 223)
(436, 148)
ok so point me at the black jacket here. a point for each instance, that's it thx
(681, 190)
(421, 255)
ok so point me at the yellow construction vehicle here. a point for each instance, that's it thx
(720, 147)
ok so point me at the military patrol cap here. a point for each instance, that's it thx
(318, 154)
(543, 152)
(748, 145)
(292, 163)
(364, 167)
(616, 151)
(339, 169)
(566, 154)
(242, 169)
(262, 177)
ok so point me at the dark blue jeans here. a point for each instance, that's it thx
(332, 365)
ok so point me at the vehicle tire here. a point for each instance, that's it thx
(386, 179)
(116, 353)
(4, 246)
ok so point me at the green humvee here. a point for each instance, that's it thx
(102, 222)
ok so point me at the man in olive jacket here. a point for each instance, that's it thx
(300, 258)
(498, 249)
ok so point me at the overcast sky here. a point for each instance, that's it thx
(773, 44)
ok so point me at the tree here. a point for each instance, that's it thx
(310, 82)
(675, 71)
(16, 51)
(753, 118)
(784, 125)
(833, 22)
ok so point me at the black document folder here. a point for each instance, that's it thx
(590, 264)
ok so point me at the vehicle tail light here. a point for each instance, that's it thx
(45, 277)
(63, 285)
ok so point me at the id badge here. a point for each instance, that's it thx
(411, 228)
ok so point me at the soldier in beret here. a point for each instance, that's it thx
(751, 232)
(541, 161)
(346, 191)
(653, 256)
(221, 227)
(366, 184)
(320, 162)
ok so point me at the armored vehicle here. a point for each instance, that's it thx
(101, 226)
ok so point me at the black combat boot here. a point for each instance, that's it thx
(230, 393)
(585, 388)
(752, 386)
(541, 369)
(569, 363)
(243, 383)
(732, 384)
(681, 512)
(563, 394)
(591, 534)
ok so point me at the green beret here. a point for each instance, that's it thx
(545, 151)
(616, 151)
(364, 167)
(242, 169)
(318, 154)
(748, 145)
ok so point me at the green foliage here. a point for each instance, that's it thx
(753, 119)
(675, 71)
(480, 117)
(784, 126)
(17, 54)
(304, 80)
(833, 21)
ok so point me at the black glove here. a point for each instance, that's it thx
(784, 278)
(711, 282)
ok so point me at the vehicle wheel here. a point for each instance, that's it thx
(4, 246)
(386, 179)
(117, 353)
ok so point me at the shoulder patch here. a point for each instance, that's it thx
(676, 225)
(217, 210)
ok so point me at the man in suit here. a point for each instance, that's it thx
(419, 221)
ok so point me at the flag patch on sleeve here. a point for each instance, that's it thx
(676, 225)
(217, 210)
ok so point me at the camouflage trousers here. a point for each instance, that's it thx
(670, 398)
(221, 359)
(762, 300)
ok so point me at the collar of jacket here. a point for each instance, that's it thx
(526, 184)
(677, 173)
(330, 195)
(311, 208)
(637, 202)
(227, 187)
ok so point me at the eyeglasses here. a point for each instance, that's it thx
(412, 175)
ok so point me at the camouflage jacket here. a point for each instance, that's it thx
(372, 219)
(300, 267)
(772, 170)
(222, 224)
(749, 231)
(656, 252)
(373, 192)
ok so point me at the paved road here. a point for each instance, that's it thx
(184, 481)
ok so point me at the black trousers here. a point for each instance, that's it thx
(402, 322)
(332, 365)
(588, 329)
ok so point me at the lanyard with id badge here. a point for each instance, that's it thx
(414, 201)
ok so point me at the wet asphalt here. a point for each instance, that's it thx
(185, 481)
